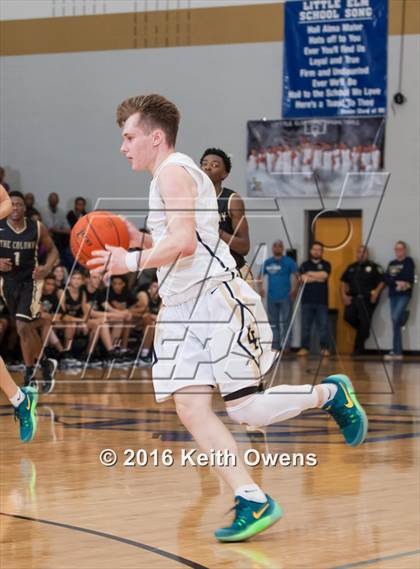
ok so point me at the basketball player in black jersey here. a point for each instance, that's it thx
(233, 225)
(21, 279)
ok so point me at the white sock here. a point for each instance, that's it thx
(326, 392)
(251, 492)
(275, 404)
(17, 399)
(144, 353)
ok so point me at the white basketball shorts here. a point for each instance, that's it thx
(222, 338)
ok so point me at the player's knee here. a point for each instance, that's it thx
(189, 412)
(22, 329)
(252, 413)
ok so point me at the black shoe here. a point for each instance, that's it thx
(28, 378)
(49, 367)
(146, 361)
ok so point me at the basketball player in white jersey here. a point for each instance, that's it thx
(252, 160)
(376, 158)
(307, 151)
(346, 162)
(355, 159)
(366, 159)
(278, 162)
(336, 159)
(23, 400)
(317, 157)
(327, 159)
(287, 160)
(297, 159)
(270, 156)
(212, 330)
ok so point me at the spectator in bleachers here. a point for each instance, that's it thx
(71, 304)
(56, 222)
(50, 315)
(77, 212)
(117, 303)
(281, 271)
(31, 211)
(61, 275)
(2, 182)
(399, 278)
(147, 306)
(314, 274)
(96, 318)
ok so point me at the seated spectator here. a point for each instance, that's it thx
(147, 307)
(56, 222)
(61, 275)
(117, 303)
(2, 182)
(96, 318)
(31, 211)
(282, 286)
(71, 304)
(399, 278)
(50, 314)
(361, 286)
(79, 211)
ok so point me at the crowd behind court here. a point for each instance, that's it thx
(82, 319)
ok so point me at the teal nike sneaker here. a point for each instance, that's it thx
(250, 518)
(347, 412)
(27, 415)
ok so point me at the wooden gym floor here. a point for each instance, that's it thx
(61, 509)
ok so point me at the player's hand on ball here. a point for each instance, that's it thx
(138, 237)
(110, 261)
(134, 234)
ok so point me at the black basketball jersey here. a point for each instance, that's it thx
(21, 247)
(225, 221)
(74, 306)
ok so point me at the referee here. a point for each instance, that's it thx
(233, 225)
(361, 285)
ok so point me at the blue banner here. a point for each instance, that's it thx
(335, 58)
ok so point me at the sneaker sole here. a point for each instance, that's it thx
(256, 528)
(361, 435)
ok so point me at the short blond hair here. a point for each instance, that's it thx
(155, 112)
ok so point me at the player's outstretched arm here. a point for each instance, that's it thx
(178, 191)
(5, 203)
(42, 271)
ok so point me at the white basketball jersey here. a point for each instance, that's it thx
(317, 159)
(376, 160)
(211, 262)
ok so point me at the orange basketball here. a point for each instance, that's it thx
(95, 230)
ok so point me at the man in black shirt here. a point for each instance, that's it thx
(361, 285)
(314, 274)
(233, 225)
